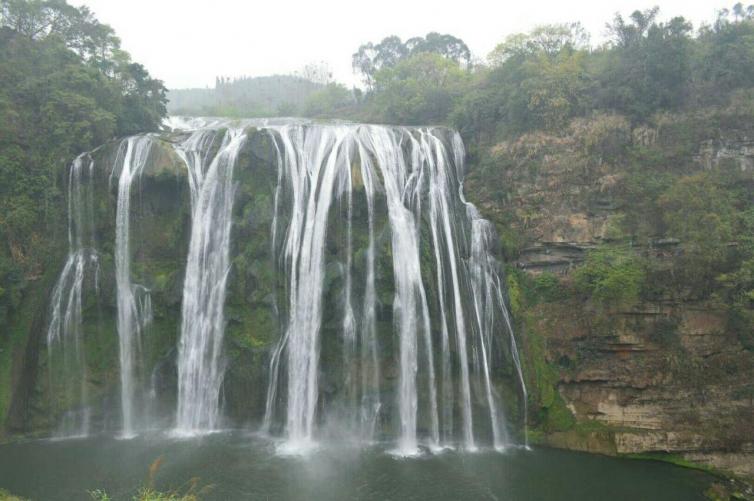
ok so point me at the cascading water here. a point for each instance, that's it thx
(134, 303)
(489, 308)
(317, 165)
(445, 244)
(402, 184)
(200, 365)
(369, 406)
(65, 340)
(313, 164)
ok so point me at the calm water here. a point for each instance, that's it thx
(242, 466)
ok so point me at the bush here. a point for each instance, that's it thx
(665, 332)
(611, 276)
(603, 136)
(741, 322)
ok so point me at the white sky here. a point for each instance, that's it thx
(187, 43)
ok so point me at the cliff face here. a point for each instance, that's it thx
(657, 378)
(649, 359)
(665, 373)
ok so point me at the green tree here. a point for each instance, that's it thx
(647, 67)
(138, 101)
(699, 211)
(554, 88)
(421, 89)
(725, 55)
(371, 58)
(537, 80)
(445, 45)
(549, 40)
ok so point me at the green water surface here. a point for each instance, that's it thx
(237, 466)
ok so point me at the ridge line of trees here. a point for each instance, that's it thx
(545, 78)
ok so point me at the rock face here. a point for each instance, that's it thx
(669, 377)
(661, 379)
(737, 148)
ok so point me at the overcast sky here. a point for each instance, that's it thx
(187, 43)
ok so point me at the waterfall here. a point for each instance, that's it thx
(134, 303)
(377, 256)
(446, 255)
(315, 165)
(349, 320)
(200, 364)
(269, 408)
(65, 337)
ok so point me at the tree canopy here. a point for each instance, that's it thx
(370, 58)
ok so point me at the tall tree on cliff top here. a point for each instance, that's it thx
(371, 58)
(139, 100)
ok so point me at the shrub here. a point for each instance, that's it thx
(613, 276)
(547, 288)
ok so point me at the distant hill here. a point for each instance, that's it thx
(277, 95)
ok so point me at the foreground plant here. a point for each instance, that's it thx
(7, 496)
(189, 492)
